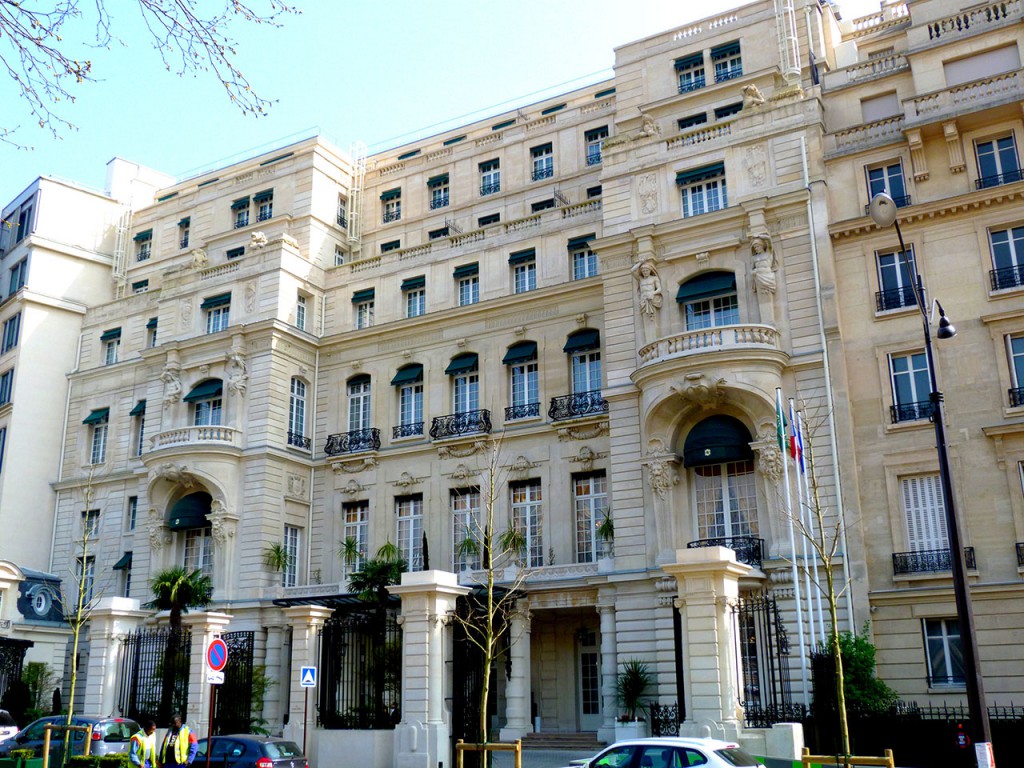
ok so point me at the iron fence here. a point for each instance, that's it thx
(762, 662)
(234, 698)
(664, 719)
(154, 674)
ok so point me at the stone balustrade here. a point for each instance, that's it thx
(699, 136)
(950, 102)
(726, 337)
(889, 130)
(198, 435)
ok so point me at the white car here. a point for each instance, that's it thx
(672, 752)
(8, 727)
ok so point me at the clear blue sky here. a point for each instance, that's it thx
(376, 72)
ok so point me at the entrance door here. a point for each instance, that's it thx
(589, 681)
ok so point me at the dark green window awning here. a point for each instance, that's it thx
(575, 243)
(408, 375)
(693, 60)
(139, 409)
(729, 49)
(581, 341)
(97, 416)
(455, 140)
(596, 133)
(390, 245)
(707, 285)
(205, 390)
(220, 300)
(463, 363)
(185, 222)
(521, 257)
(466, 270)
(242, 202)
(437, 181)
(520, 353)
(503, 124)
(391, 194)
(151, 324)
(489, 165)
(146, 234)
(699, 174)
(605, 92)
(555, 108)
(190, 512)
(407, 155)
(366, 294)
(125, 563)
(716, 440)
(543, 149)
(266, 194)
(414, 283)
(111, 334)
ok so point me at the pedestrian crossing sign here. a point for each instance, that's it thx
(307, 678)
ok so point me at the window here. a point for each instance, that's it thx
(709, 301)
(542, 205)
(593, 139)
(896, 289)
(465, 383)
(12, 328)
(339, 255)
(19, 276)
(466, 531)
(468, 278)
(356, 520)
(911, 388)
(702, 189)
(437, 234)
(685, 123)
(3, 445)
(91, 524)
(524, 394)
(362, 305)
(391, 206)
(944, 652)
(235, 253)
(727, 61)
(6, 386)
(998, 162)
(1015, 353)
(206, 403)
(415, 292)
(527, 520)
(138, 414)
(218, 312)
(300, 312)
(151, 331)
(491, 218)
(524, 270)
(690, 71)
(24, 222)
(924, 513)
(132, 513)
(125, 566)
(391, 245)
(409, 381)
(85, 575)
(342, 212)
(143, 245)
(97, 422)
(728, 110)
(290, 574)
(141, 286)
(593, 192)
(111, 341)
(359, 403)
(199, 550)
(590, 498)
(490, 177)
(888, 179)
(297, 414)
(1007, 249)
(438, 187)
(584, 350)
(240, 210)
(184, 227)
(409, 533)
(880, 106)
(264, 204)
(543, 162)
(726, 500)
(584, 260)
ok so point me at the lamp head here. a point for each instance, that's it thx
(946, 328)
(882, 210)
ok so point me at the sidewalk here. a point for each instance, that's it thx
(540, 758)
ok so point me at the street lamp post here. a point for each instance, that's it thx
(883, 213)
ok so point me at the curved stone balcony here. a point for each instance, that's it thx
(196, 436)
(724, 338)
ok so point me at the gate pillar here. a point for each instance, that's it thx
(708, 583)
(517, 694)
(112, 618)
(423, 737)
(204, 626)
(306, 621)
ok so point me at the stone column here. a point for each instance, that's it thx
(204, 627)
(225, 524)
(609, 672)
(517, 692)
(112, 618)
(275, 698)
(708, 579)
(306, 621)
(423, 738)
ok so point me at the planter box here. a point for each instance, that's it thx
(636, 729)
(10, 762)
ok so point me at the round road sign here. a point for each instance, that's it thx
(217, 654)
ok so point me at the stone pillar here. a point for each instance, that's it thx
(609, 673)
(225, 524)
(517, 692)
(423, 738)
(708, 579)
(204, 627)
(276, 696)
(306, 622)
(112, 618)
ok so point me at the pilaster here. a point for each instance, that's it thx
(110, 620)
(517, 693)
(204, 626)
(306, 621)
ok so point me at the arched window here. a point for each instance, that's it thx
(709, 300)
(718, 451)
(190, 516)
(359, 403)
(206, 402)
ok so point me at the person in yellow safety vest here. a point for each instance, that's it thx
(142, 746)
(180, 745)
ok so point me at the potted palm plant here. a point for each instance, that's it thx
(631, 685)
(606, 532)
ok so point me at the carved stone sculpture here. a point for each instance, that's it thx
(646, 274)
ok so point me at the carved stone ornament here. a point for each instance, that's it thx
(257, 240)
(647, 192)
(707, 396)
(171, 377)
(159, 535)
(238, 377)
(461, 450)
(662, 476)
(646, 274)
(250, 296)
(462, 472)
(185, 313)
(406, 480)
(355, 465)
(769, 457)
(199, 258)
(353, 487)
(179, 474)
(297, 486)
(764, 263)
(703, 258)
(752, 96)
(289, 240)
(224, 524)
(583, 432)
(755, 163)
(585, 458)
(521, 465)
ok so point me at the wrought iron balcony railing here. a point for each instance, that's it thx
(343, 221)
(183, 243)
(1007, 277)
(729, 74)
(1020, 554)
(1017, 174)
(242, 222)
(748, 549)
(693, 85)
(353, 442)
(264, 216)
(490, 188)
(1016, 397)
(440, 201)
(923, 409)
(390, 216)
(299, 441)
(593, 158)
(524, 411)
(946, 681)
(457, 424)
(542, 173)
(576, 405)
(928, 561)
(901, 202)
(895, 298)
(412, 429)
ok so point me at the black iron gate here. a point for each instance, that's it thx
(234, 697)
(154, 674)
(12, 658)
(762, 662)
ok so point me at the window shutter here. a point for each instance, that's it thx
(924, 513)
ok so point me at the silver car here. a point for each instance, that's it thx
(109, 735)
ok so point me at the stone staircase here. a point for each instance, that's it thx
(584, 741)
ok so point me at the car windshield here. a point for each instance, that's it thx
(737, 756)
(118, 731)
(278, 750)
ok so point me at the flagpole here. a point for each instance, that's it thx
(807, 495)
(780, 432)
(801, 502)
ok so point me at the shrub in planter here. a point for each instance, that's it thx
(631, 685)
